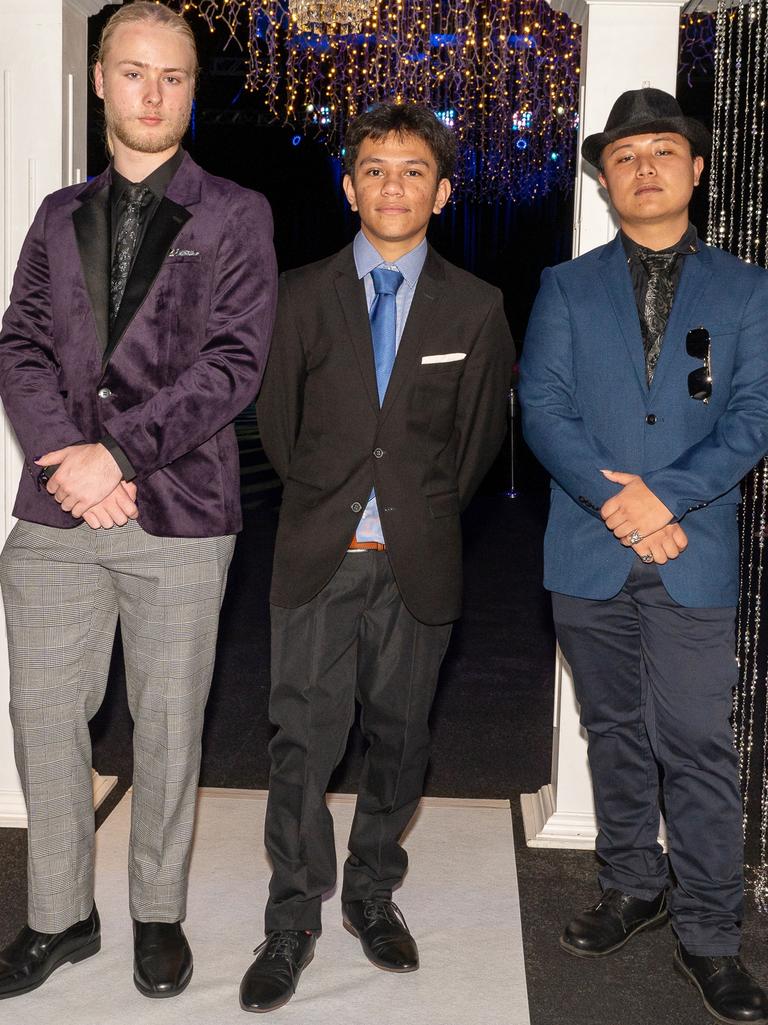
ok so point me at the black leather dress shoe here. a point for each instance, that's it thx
(381, 928)
(273, 977)
(611, 922)
(28, 960)
(162, 960)
(728, 990)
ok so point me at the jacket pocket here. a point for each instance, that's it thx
(300, 491)
(444, 504)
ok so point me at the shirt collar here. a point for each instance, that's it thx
(158, 181)
(688, 244)
(367, 258)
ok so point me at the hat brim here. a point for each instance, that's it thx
(593, 146)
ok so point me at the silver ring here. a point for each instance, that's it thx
(647, 557)
(634, 537)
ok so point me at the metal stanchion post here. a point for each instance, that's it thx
(512, 492)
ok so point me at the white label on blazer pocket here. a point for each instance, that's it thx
(446, 357)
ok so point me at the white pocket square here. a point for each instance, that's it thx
(445, 357)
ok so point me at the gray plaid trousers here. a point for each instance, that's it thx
(63, 591)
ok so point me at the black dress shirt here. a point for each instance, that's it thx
(157, 183)
(688, 244)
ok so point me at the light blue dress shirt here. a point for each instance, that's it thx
(367, 258)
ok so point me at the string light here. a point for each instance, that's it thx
(508, 70)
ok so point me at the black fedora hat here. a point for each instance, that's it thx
(639, 111)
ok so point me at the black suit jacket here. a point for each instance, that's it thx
(425, 450)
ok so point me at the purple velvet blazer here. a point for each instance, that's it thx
(184, 357)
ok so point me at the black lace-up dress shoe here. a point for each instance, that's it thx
(27, 962)
(381, 929)
(162, 960)
(729, 992)
(611, 922)
(271, 980)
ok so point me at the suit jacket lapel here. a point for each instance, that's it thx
(618, 284)
(695, 278)
(168, 221)
(351, 292)
(418, 325)
(92, 229)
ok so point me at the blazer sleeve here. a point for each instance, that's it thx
(29, 384)
(552, 425)
(481, 409)
(227, 373)
(278, 408)
(739, 438)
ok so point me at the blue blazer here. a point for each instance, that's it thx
(586, 407)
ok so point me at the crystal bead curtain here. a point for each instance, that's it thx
(737, 222)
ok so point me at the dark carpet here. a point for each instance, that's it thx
(492, 726)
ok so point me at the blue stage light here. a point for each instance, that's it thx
(296, 140)
(521, 144)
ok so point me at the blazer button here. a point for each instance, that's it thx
(356, 507)
(104, 393)
(378, 452)
(651, 419)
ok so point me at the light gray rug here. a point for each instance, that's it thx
(459, 899)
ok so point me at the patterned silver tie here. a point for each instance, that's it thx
(658, 303)
(136, 197)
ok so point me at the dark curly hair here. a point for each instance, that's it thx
(402, 119)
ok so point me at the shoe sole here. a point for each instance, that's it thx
(694, 982)
(77, 955)
(652, 923)
(384, 968)
(276, 1007)
(162, 996)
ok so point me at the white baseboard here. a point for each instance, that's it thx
(13, 810)
(102, 787)
(547, 827)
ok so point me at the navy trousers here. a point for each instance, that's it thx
(655, 680)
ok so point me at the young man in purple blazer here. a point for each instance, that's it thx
(138, 328)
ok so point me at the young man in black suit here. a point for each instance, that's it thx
(383, 406)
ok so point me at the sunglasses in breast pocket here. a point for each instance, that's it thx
(698, 345)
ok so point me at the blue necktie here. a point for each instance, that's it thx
(384, 324)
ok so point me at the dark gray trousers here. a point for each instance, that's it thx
(655, 681)
(355, 639)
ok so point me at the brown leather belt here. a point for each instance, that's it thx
(366, 546)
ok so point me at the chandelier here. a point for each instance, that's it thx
(330, 17)
(502, 74)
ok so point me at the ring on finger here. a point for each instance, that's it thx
(646, 558)
(634, 537)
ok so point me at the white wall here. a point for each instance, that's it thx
(43, 91)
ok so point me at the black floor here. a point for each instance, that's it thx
(492, 738)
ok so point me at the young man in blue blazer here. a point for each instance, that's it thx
(644, 386)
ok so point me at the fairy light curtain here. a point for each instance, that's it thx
(737, 222)
(504, 74)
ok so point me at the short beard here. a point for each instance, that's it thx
(155, 142)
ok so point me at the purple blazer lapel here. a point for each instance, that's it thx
(91, 222)
(171, 216)
(168, 221)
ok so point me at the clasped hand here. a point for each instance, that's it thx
(636, 508)
(88, 483)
